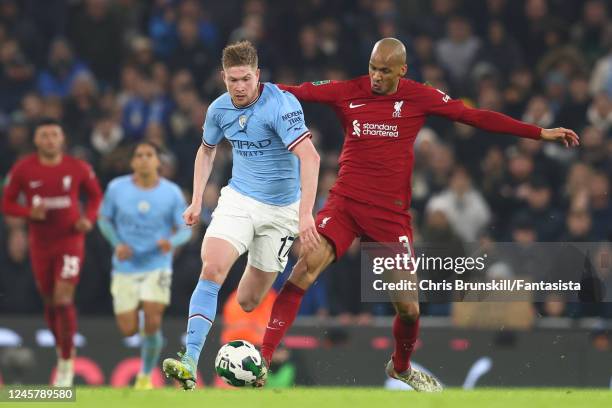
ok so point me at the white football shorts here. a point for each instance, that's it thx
(129, 289)
(266, 231)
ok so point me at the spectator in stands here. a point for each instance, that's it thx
(600, 204)
(62, 70)
(456, 52)
(97, 34)
(16, 72)
(466, 209)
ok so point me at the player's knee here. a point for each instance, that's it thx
(302, 275)
(409, 312)
(248, 304)
(61, 299)
(213, 272)
(152, 324)
(128, 329)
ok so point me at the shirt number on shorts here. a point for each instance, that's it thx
(71, 267)
(285, 242)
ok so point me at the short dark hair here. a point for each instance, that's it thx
(158, 150)
(47, 122)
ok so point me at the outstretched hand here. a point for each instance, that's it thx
(566, 136)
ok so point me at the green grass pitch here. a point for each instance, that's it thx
(339, 397)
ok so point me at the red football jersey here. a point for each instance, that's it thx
(58, 188)
(377, 157)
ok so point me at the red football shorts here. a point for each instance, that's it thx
(60, 261)
(342, 219)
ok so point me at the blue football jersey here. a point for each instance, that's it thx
(262, 135)
(141, 217)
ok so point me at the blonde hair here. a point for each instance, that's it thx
(238, 54)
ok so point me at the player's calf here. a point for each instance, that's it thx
(408, 312)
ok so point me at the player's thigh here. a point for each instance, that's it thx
(155, 296)
(310, 265)
(42, 268)
(218, 256)
(337, 224)
(228, 236)
(67, 273)
(253, 286)
(385, 227)
(127, 322)
(125, 290)
(153, 313)
(379, 225)
(232, 221)
(276, 229)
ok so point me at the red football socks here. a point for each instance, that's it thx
(405, 335)
(65, 328)
(50, 319)
(284, 311)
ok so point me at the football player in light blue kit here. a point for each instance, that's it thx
(267, 203)
(141, 217)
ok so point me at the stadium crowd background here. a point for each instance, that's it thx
(118, 71)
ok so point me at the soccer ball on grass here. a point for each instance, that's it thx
(239, 363)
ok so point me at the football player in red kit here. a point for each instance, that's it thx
(381, 114)
(51, 183)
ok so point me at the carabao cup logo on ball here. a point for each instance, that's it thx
(239, 363)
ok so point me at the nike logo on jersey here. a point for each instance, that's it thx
(353, 106)
(35, 184)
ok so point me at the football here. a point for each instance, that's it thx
(239, 363)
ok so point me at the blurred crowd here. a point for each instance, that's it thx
(118, 71)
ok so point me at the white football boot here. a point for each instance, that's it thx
(418, 380)
(64, 374)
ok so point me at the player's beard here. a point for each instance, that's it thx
(50, 155)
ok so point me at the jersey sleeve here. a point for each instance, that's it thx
(320, 91)
(435, 102)
(108, 208)
(179, 207)
(212, 133)
(12, 189)
(182, 232)
(289, 122)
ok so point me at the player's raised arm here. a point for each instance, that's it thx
(318, 91)
(436, 102)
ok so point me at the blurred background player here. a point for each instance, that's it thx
(141, 217)
(45, 187)
(260, 210)
(381, 114)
